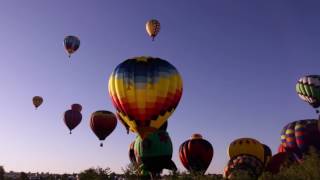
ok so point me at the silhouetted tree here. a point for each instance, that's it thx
(2, 172)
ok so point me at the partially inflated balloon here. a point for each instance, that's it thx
(299, 136)
(72, 119)
(37, 101)
(71, 44)
(145, 92)
(308, 89)
(153, 28)
(102, 124)
(196, 154)
(246, 146)
(76, 107)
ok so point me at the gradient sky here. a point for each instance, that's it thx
(239, 61)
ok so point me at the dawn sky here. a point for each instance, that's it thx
(239, 60)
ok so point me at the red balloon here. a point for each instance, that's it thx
(76, 107)
(196, 154)
(72, 119)
(102, 124)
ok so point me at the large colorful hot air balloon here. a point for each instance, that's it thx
(37, 101)
(76, 107)
(279, 160)
(244, 163)
(72, 119)
(299, 136)
(71, 44)
(102, 124)
(154, 153)
(145, 92)
(247, 146)
(267, 154)
(153, 28)
(196, 154)
(308, 89)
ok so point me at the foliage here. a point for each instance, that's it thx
(2, 172)
(95, 174)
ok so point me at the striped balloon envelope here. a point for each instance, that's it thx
(145, 92)
(308, 89)
(299, 136)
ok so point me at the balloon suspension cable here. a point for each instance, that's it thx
(101, 144)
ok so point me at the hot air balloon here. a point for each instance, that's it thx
(267, 154)
(145, 92)
(244, 163)
(281, 148)
(308, 89)
(153, 28)
(299, 136)
(72, 119)
(281, 159)
(196, 154)
(247, 146)
(76, 107)
(37, 101)
(71, 44)
(132, 156)
(102, 124)
(154, 152)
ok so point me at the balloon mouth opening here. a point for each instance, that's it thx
(196, 136)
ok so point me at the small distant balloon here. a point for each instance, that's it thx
(72, 119)
(102, 124)
(308, 89)
(37, 101)
(153, 28)
(71, 44)
(76, 107)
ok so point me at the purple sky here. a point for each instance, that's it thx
(239, 61)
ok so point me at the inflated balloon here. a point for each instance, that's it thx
(155, 152)
(281, 148)
(247, 146)
(245, 163)
(102, 123)
(267, 154)
(72, 119)
(145, 92)
(308, 89)
(196, 154)
(37, 101)
(299, 136)
(153, 28)
(76, 107)
(71, 44)
(281, 159)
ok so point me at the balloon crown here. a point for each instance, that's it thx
(196, 136)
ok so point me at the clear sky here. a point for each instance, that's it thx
(239, 61)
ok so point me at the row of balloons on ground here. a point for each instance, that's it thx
(72, 43)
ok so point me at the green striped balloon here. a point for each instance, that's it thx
(308, 89)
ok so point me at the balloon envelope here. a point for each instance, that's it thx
(72, 119)
(248, 146)
(76, 107)
(145, 92)
(71, 44)
(153, 28)
(37, 101)
(308, 89)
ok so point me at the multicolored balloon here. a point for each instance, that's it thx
(299, 136)
(308, 89)
(196, 154)
(72, 119)
(71, 44)
(154, 152)
(102, 123)
(247, 146)
(145, 92)
(37, 101)
(153, 28)
(76, 107)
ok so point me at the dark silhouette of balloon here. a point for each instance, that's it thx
(71, 44)
(145, 92)
(72, 119)
(281, 159)
(37, 101)
(102, 124)
(153, 28)
(299, 136)
(196, 154)
(76, 107)
(267, 154)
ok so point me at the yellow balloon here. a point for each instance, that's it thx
(37, 101)
(247, 146)
(153, 28)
